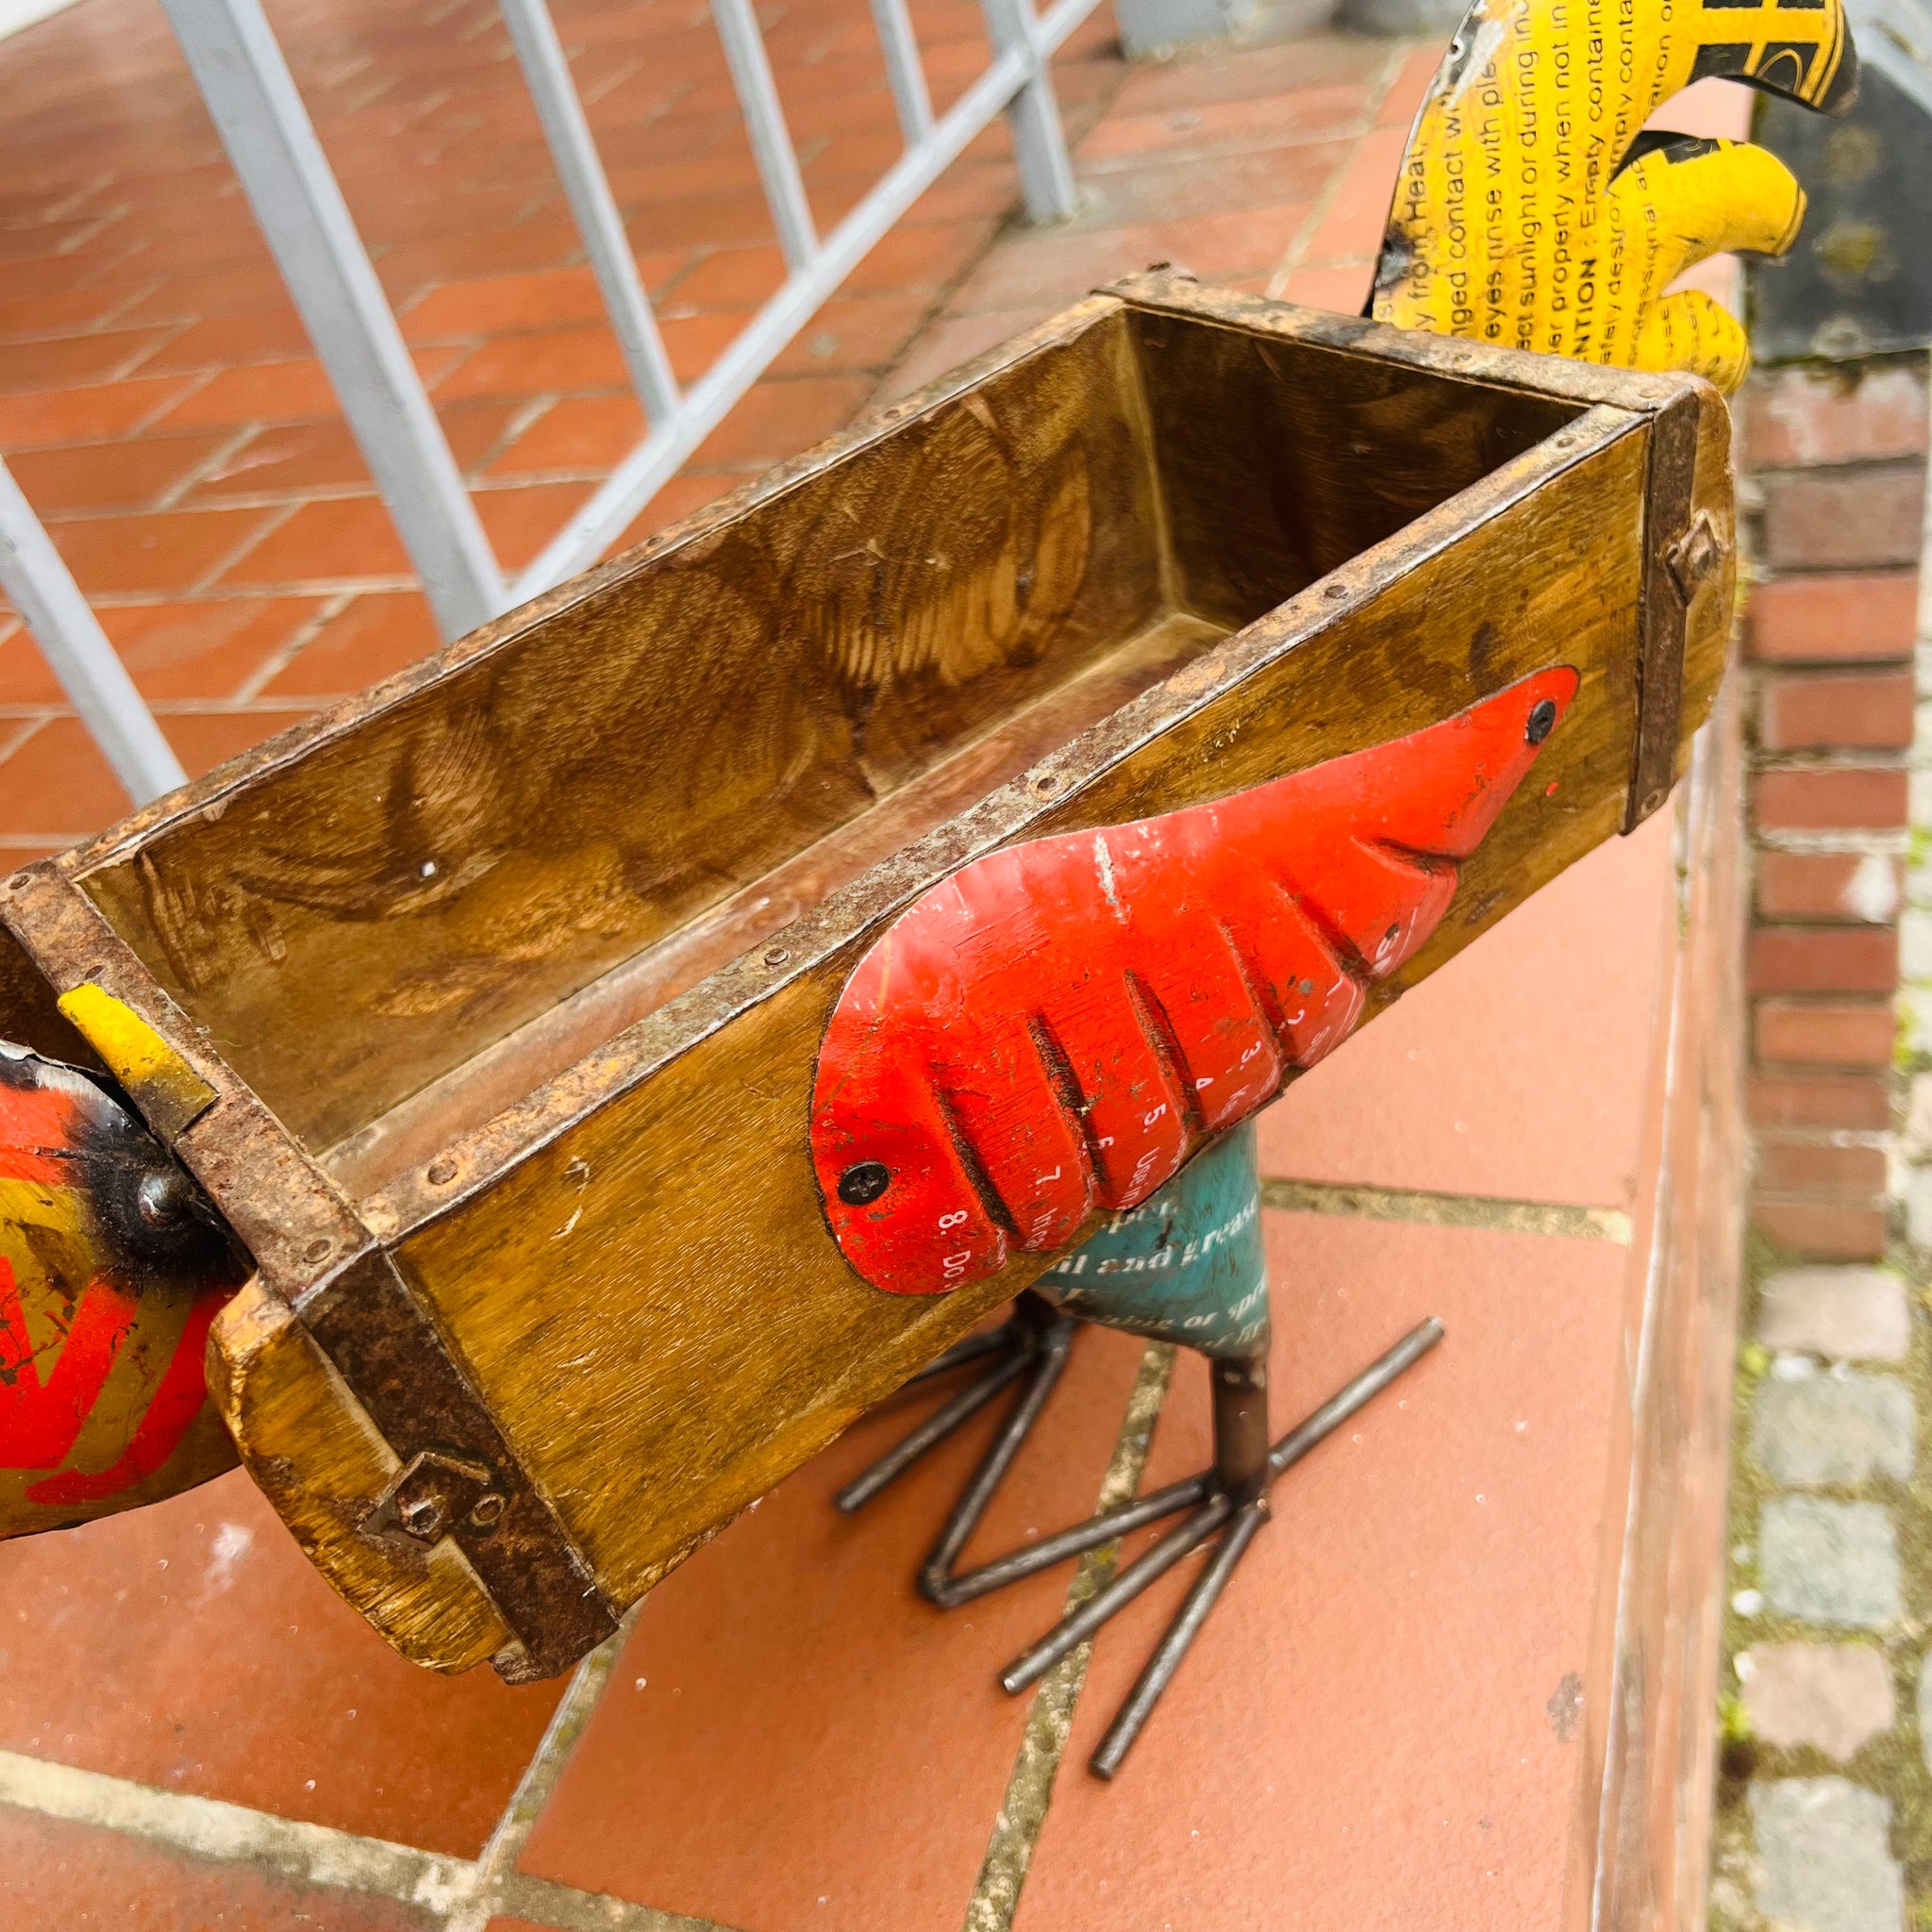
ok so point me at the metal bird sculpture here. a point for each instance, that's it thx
(1069, 1022)
(996, 1062)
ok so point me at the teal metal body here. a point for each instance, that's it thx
(1187, 1265)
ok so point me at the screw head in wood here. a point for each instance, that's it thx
(775, 956)
(1542, 720)
(864, 1182)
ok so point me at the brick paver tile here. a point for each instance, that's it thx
(1342, 289)
(205, 650)
(293, 390)
(588, 434)
(269, 334)
(1425, 1582)
(211, 292)
(693, 342)
(779, 419)
(1814, 1431)
(1825, 1858)
(102, 356)
(1403, 99)
(944, 345)
(1870, 616)
(1871, 799)
(127, 475)
(32, 317)
(855, 332)
(373, 636)
(552, 298)
(61, 1877)
(1818, 520)
(56, 786)
(1845, 1315)
(205, 739)
(537, 363)
(1826, 1033)
(1222, 126)
(870, 1704)
(1353, 223)
(522, 249)
(337, 538)
(1805, 416)
(679, 498)
(520, 522)
(1829, 885)
(927, 258)
(164, 550)
(1060, 269)
(1423, 1099)
(1254, 74)
(84, 416)
(1792, 1166)
(738, 278)
(1830, 1562)
(1834, 1697)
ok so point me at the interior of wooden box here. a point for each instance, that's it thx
(425, 916)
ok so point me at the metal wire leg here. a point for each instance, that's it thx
(1033, 1338)
(1222, 1518)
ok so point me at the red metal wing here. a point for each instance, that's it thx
(1057, 1026)
(112, 1270)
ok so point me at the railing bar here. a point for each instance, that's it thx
(658, 458)
(70, 635)
(588, 186)
(905, 71)
(299, 206)
(764, 120)
(1040, 141)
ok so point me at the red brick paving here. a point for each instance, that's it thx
(809, 1745)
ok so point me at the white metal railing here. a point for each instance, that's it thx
(245, 81)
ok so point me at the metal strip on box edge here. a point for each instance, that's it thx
(395, 1362)
(1669, 495)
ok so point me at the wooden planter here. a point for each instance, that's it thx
(489, 1000)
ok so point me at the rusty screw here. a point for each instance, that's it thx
(422, 1516)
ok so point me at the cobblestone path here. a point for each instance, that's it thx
(1825, 1798)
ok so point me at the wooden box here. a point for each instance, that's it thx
(499, 988)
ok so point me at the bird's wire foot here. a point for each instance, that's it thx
(1029, 1348)
(1222, 1507)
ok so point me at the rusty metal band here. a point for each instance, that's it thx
(297, 1227)
(395, 1362)
(1663, 609)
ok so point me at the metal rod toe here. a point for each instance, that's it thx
(934, 1430)
(1076, 1541)
(1047, 1362)
(1075, 1629)
(1180, 1636)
